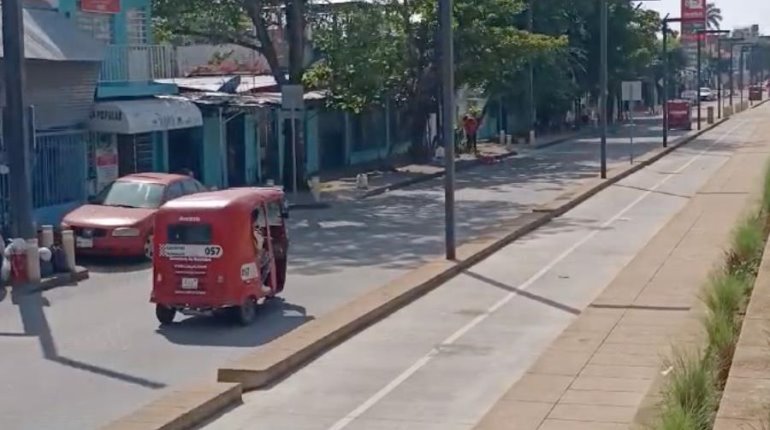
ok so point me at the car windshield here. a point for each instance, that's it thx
(131, 195)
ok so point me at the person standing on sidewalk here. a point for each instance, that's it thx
(471, 127)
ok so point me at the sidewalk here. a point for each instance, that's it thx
(344, 188)
(603, 372)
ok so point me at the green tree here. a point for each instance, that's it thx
(248, 23)
(387, 51)
(713, 16)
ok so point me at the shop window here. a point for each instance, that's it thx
(100, 26)
(136, 26)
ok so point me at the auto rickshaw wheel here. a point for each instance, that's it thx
(165, 314)
(247, 313)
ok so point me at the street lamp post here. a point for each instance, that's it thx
(604, 78)
(701, 34)
(697, 79)
(741, 83)
(603, 84)
(666, 84)
(447, 123)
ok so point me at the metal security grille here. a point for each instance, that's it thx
(59, 168)
(135, 153)
(58, 162)
(136, 22)
(99, 25)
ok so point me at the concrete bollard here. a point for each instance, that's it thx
(68, 245)
(315, 188)
(362, 181)
(532, 137)
(46, 236)
(33, 261)
(710, 115)
(501, 137)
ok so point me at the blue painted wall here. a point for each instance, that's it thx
(108, 90)
(212, 154)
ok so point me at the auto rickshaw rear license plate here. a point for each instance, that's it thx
(189, 283)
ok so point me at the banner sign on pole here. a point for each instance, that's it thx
(693, 10)
(631, 91)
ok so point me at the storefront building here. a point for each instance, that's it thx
(61, 77)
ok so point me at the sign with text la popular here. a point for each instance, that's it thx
(100, 6)
(693, 10)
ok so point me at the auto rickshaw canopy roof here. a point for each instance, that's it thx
(245, 198)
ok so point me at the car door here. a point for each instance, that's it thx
(174, 191)
(190, 186)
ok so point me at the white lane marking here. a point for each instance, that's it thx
(406, 374)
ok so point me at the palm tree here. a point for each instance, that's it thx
(713, 16)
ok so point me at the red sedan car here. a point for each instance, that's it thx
(119, 220)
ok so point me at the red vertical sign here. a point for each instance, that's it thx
(100, 6)
(693, 10)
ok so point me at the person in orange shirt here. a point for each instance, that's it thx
(471, 127)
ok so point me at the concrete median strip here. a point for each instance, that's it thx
(290, 352)
(184, 409)
(181, 409)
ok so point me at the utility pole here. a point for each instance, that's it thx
(719, 77)
(531, 91)
(14, 122)
(697, 79)
(732, 73)
(603, 87)
(447, 122)
(666, 83)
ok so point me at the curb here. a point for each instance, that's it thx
(290, 352)
(460, 166)
(181, 409)
(57, 280)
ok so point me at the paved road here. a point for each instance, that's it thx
(440, 363)
(81, 356)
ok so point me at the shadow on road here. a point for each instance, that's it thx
(32, 311)
(114, 264)
(404, 228)
(276, 318)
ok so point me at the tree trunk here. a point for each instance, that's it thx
(295, 35)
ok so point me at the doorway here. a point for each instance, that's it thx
(184, 150)
(236, 151)
(135, 153)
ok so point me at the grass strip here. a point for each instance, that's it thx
(696, 380)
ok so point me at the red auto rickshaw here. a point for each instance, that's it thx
(220, 250)
(679, 115)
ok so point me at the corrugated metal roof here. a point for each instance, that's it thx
(213, 83)
(48, 35)
(242, 100)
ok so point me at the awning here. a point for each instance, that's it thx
(49, 35)
(144, 116)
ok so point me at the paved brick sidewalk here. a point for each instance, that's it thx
(604, 370)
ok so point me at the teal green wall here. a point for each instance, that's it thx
(251, 146)
(312, 142)
(160, 151)
(212, 154)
